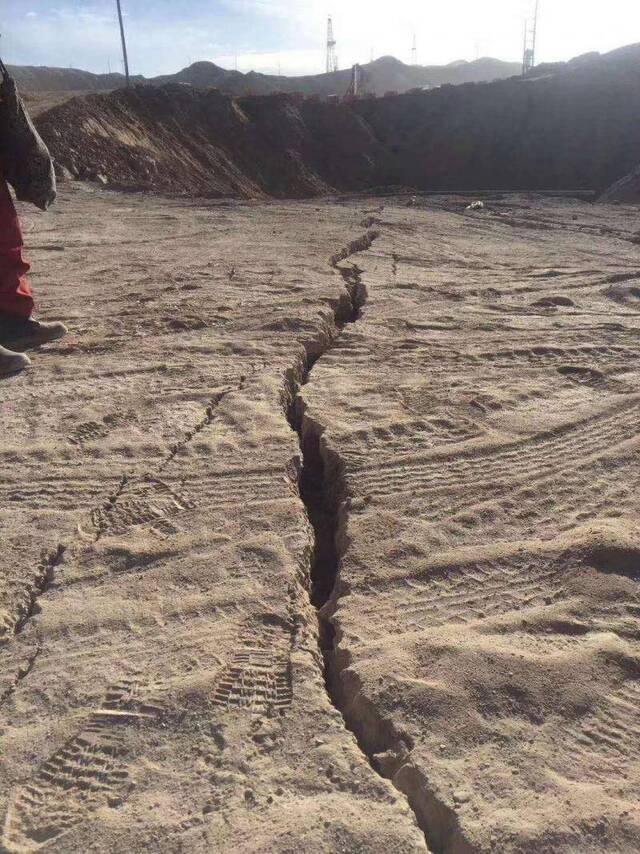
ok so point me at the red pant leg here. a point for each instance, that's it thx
(15, 291)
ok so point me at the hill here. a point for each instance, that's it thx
(378, 77)
(382, 75)
(32, 78)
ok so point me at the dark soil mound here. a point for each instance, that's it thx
(626, 190)
(179, 139)
(570, 130)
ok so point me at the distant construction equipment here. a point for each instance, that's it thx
(354, 87)
(530, 35)
(332, 56)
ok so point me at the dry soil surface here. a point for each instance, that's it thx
(421, 422)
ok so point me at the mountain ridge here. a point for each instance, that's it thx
(384, 74)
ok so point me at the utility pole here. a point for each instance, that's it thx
(124, 43)
(332, 58)
(414, 51)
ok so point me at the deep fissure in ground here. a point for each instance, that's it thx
(322, 492)
(322, 489)
(322, 508)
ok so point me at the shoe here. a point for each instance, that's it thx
(12, 363)
(21, 333)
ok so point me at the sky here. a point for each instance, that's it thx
(290, 35)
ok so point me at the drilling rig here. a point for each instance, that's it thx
(530, 36)
(332, 56)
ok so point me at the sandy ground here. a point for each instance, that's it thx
(485, 412)
(466, 392)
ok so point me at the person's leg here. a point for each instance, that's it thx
(18, 329)
(15, 292)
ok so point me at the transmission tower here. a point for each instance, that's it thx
(414, 51)
(530, 36)
(332, 58)
(124, 43)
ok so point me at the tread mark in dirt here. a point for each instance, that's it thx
(146, 501)
(536, 456)
(87, 773)
(476, 592)
(609, 736)
(259, 676)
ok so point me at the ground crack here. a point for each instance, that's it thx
(43, 581)
(46, 568)
(323, 490)
(321, 479)
(22, 673)
(100, 515)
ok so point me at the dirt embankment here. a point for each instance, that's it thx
(177, 139)
(574, 130)
(624, 191)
